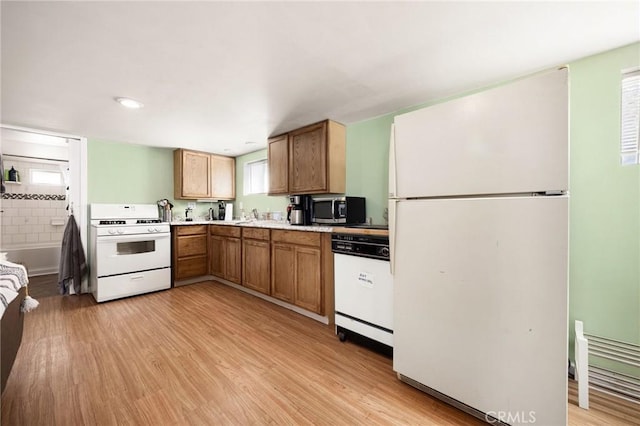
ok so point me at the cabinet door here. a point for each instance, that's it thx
(283, 271)
(223, 176)
(216, 255)
(256, 272)
(308, 159)
(233, 260)
(190, 267)
(307, 293)
(196, 177)
(278, 160)
(191, 245)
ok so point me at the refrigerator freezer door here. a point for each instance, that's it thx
(510, 139)
(480, 302)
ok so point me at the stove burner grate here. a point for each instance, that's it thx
(112, 222)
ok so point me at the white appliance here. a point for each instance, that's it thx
(479, 245)
(363, 286)
(130, 251)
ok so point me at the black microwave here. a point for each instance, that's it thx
(338, 210)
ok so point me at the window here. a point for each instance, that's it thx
(630, 117)
(45, 177)
(256, 177)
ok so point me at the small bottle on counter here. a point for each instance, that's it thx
(13, 175)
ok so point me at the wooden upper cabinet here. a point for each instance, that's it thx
(314, 158)
(200, 175)
(308, 159)
(191, 174)
(278, 160)
(223, 177)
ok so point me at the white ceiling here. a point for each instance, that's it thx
(215, 75)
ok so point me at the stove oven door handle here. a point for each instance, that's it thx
(131, 238)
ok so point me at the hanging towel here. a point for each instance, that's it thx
(2, 188)
(73, 265)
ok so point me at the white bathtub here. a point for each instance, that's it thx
(39, 259)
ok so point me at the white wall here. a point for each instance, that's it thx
(33, 214)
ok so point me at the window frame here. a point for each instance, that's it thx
(249, 169)
(630, 117)
(34, 171)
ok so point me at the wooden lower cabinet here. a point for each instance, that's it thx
(233, 260)
(283, 273)
(299, 272)
(256, 265)
(308, 287)
(216, 259)
(225, 253)
(189, 252)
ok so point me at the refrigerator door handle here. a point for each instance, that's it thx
(392, 234)
(392, 163)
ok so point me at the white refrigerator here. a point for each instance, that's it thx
(478, 213)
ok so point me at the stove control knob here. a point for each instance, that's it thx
(120, 231)
(112, 231)
(384, 251)
(156, 229)
(149, 229)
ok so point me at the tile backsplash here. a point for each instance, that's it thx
(33, 213)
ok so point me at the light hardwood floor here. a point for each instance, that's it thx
(206, 354)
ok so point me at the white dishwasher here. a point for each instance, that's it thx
(363, 286)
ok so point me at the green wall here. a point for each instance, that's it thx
(368, 164)
(127, 173)
(605, 203)
(605, 197)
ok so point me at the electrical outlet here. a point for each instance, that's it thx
(191, 205)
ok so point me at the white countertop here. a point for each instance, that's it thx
(272, 224)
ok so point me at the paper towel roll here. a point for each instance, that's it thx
(228, 212)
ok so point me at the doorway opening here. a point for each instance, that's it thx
(44, 182)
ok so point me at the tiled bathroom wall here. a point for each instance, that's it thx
(33, 214)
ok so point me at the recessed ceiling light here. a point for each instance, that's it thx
(129, 103)
(250, 143)
(227, 150)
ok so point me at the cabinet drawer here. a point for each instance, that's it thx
(296, 237)
(256, 233)
(225, 231)
(191, 267)
(191, 245)
(191, 229)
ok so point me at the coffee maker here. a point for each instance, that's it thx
(221, 209)
(299, 210)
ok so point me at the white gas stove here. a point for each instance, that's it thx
(130, 250)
